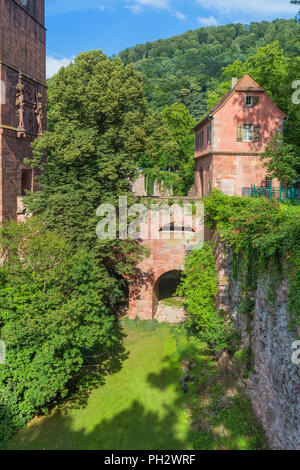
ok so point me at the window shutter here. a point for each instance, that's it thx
(256, 133)
(255, 100)
(240, 133)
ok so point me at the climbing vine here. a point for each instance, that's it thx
(199, 287)
(264, 237)
(165, 180)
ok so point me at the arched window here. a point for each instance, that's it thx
(175, 228)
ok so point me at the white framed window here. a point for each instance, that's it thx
(249, 100)
(248, 133)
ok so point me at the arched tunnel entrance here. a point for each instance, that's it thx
(164, 295)
(157, 275)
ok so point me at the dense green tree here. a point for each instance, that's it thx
(181, 125)
(161, 149)
(52, 315)
(278, 75)
(99, 132)
(183, 68)
(282, 160)
(269, 67)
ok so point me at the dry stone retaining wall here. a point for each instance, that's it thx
(274, 387)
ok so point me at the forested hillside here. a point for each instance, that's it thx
(182, 68)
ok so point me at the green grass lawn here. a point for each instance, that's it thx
(140, 407)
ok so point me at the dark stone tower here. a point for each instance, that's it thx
(22, 97)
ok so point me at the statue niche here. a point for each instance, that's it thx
(39, 113)
(29, 105)
(20, 104)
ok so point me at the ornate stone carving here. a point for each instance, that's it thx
(39, 113)
(20, 102)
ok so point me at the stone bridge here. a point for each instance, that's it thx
(168, 241)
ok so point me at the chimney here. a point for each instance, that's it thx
(234, 82)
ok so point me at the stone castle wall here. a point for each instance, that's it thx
(166, 253)
(22, 90)
(274, 388)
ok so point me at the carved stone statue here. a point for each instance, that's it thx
(39, 113)
(20, 102)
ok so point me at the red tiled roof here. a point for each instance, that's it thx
(248, 84)
(245, 84)
(220, 102)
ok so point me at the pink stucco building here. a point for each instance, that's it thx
(230, 140)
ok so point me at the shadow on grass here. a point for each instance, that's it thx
(139, 426)
(132, 429)
(167, 377)
(135, 428)
(220, 414)
(97, 366)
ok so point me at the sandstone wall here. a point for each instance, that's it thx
(22, 50)
(139, 188)
(274, 387)
(167, 252)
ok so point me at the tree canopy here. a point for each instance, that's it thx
(183, 68)
(100, 131)
(52, 315)
(282, 161)
(277, 74)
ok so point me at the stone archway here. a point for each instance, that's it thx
(166, 307)
(144, 287)
(166, 254)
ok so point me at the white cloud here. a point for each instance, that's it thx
(53, 65)
(162, 4)
(139, 6)
(238, 10)
(253, 7)
(180, 16)
(135, 8)
(211, 21)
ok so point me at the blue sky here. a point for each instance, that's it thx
(112, 25)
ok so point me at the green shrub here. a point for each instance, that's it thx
(265, 238)
(147, 325)
(199, 287)
(51, 315)
(150, 325)
(243, 357)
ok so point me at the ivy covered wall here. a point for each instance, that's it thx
(257, 252)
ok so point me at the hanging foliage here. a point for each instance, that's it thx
(166, 180)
